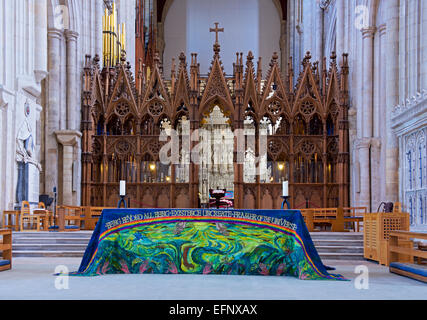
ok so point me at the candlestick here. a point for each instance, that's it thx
(285, 200)
(285, 191)
(122, 188)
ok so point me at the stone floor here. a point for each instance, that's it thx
(32, 278)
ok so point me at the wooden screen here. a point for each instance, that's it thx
(304, 124)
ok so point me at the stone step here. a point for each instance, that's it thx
(340, 256)
(336, 235)
(44, 253)
(42, 234)
(48, 247)
(31, 241)
(348, 243)
(338, 249)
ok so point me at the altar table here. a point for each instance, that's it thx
(203, 241)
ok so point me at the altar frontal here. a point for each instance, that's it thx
(203, 241)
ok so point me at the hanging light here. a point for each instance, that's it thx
(281, 166)
(152, 166)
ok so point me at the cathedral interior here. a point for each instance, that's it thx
(199, 149)
(181, 97)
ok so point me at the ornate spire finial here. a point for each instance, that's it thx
(307, 58)
(250, 56)
(216, 30)
(182, 57)
(123, 56)
(156, 58)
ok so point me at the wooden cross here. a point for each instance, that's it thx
(216, 30)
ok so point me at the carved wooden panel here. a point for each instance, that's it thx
(122, 125)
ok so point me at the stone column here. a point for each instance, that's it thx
(363, 146)
(376, 177)
(367, 84)
(53, 109)
(340, 30)
(319, 35)
(40, 40)
(283, 48)
(99, 13)
(423, 45)
(392, 99)
(73, 105)
(68, 139)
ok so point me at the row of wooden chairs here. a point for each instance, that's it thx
(68, 218)
(336, 218)
(19, 220)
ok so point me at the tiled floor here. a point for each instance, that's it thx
(32, 278)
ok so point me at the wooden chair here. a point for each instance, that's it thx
(26, 217)
(39, 218)
(11, 219)
(69, 218)
(6, 249)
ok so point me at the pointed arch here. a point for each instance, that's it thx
(156, 91)
(307, 88)
(274, 88)
(216, 92)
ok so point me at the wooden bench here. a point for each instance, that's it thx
(401, 257)
(324, 217)
(69, 218)
(6, 249)
(91, 216)
(354, 216)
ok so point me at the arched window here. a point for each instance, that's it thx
(129, 126)
(282, 126)
(100, 126)
(147, 126)
(299, 125)
(330, 127)
(114, 127)
(315, 167)
(266, 126)
(300, 169)
(316, 126)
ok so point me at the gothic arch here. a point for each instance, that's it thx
(168, 4)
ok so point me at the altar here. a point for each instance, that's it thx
(203, 241)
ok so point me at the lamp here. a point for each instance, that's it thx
(152, 166)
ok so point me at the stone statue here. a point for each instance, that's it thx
(24, 156)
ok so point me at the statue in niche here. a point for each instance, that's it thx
(24, 156)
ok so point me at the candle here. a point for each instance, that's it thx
(122, 188)
(285, 188)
